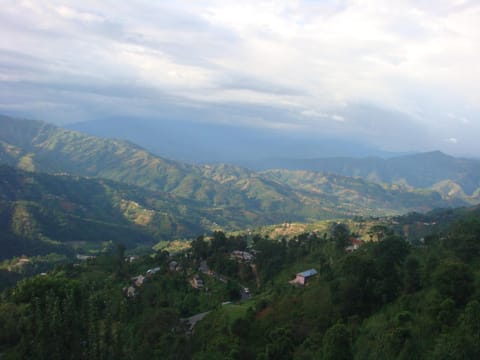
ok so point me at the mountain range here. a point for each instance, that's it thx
(263, 150)
(206, 142)
(422, 170)
(157, 198)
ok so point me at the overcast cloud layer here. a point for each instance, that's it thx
(402, 75)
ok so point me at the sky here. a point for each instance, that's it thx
(399, 75)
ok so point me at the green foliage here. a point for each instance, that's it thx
(390, 299)
(199, 197)
(340, 234)
(412, 273)
(454, 280)
(82, 312)
(42, 213)
(270, 258)
(465, 239)
(336, 343)
(387, 300)
(279, 344)
(440, 171)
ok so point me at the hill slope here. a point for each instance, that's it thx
(419, 170)
(41, 213)
(227, 196)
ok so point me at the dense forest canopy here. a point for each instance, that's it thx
(388, 299)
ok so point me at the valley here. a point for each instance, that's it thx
(353, 306)
(123, 237)
(161, 199)
(225, 180)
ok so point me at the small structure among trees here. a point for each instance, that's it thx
(197, 282)
(355, 243)
(242, 256)
(303, 277)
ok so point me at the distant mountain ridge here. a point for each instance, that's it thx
(203, 142)
(202, 198)
(422, 170)
(259, 150)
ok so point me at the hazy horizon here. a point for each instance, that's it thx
(398, 78)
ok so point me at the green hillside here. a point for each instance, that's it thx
(424, 170)
(42, 213)
(220, 196)
(369, 197)
(388, 299)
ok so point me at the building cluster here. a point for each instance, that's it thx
(137, 282)
(243, 256)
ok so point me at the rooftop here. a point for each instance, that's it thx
(308, 273)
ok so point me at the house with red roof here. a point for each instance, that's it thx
(355, 243)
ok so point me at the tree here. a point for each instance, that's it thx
(199, 248)
(356, 292)
(412, 275)
(454, 280)
(340, 234)
(219, 242)
(464, 239)
(119, 260)
(388, 255)
(270, 257)
(280, 344)
(336, 344)
(379, 232)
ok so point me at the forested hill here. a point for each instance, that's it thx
(388, 299)
(238, 196)
(42, 213)
(422, 170)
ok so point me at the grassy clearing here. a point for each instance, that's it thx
(172, 246)
(236, 311)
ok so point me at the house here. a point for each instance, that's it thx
(138, 280)
(241, 256)
(204, 267)
(85, 257)
(303, 277)
(23, 260)
(20, 264)
(172, 265)
(355, 243)
(151, 272)
(132, 258)
(197, 282)
(129, 292)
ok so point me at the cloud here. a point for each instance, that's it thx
(72, 14)
(317, 114)
(338, 117)
(310, 61)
